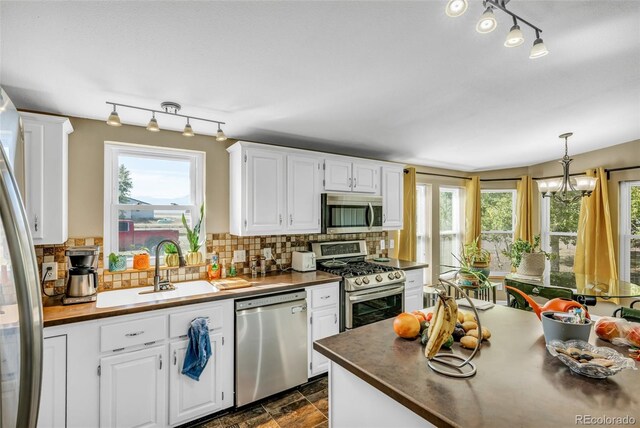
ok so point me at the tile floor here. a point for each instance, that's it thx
(304, 407)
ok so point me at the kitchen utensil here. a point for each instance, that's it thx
(303, 261)
(558, 304)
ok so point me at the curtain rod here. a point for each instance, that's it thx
(624, 168)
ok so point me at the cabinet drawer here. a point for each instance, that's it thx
(132, 333)
(179, 323)
(324, 296)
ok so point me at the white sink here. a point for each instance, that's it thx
(130, 296)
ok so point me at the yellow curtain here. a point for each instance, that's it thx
(524, 209)
(595, 260)
(473, 226)
(407, 236)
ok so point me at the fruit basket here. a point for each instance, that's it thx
(588, 360)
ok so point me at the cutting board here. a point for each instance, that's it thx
(231, 283)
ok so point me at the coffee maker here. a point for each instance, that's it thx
(82, 275)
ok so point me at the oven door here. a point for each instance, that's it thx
(351, 213)
(373, 305)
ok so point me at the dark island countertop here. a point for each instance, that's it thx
(402, 264)
(56, 314)
(518, 383)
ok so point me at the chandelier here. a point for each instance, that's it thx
(559, 188)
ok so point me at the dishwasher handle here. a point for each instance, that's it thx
(296, 306)
(299, 308)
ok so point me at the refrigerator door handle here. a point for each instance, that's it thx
(28, 298)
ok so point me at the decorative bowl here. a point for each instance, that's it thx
(589, 369)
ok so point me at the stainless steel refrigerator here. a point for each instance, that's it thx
(20, 299)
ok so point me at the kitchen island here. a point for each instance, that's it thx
(377, 379)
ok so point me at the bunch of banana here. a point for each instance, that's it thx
(442, 324)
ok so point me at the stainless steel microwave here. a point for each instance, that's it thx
(346, 213)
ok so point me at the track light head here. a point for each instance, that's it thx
(188, 130)
(515, 37)
(153, 124)
(538, 49)
(456, 8)
(114, 119)
(220, 135)
(487, 22)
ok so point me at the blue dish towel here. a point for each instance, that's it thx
(198, 350)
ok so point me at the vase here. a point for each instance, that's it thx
(141, 261)
(194, 258)
(119, 264)
(532, 264)
(172, 260)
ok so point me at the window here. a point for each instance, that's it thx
(147, 190)
(451, 219)
(497, 216)
(559, 230)
(630, 231)
(423, 222)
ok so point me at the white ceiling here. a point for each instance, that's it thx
(388, 79)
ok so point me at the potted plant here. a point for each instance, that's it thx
(474, 264)
(141, 259)
(194, 256)
(171, 257)
(527, 258)
(117, 262)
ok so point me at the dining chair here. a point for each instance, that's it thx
(629, 313)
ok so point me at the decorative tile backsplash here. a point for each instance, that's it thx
(224, 244)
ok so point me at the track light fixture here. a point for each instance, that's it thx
(487, 23)
(558, 188)
(169, 108)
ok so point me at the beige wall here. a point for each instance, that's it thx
(86, 172)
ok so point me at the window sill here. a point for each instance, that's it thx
(151, 269)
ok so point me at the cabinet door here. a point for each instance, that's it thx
(53, 395)
(365, 178)
(413, 299)
(34, 178)
(265, 192)
(188, 398)
(133, 389)
(392, 197)
(337, 175)
(324, 323)
(303, 194)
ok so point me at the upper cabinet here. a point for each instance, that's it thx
(46, 176)
(276, 190)
(392, 197)
(344, 175)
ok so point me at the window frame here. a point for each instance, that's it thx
(457, 223)
(514, 203)
(112, 151)
(546, 234)
(426, 213)
(625, 236)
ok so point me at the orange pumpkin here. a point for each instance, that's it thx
(141, 261)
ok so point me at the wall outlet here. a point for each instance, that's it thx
(392, 244)
(382, 244)
(52, 274)
(239, 256)
(266, 252)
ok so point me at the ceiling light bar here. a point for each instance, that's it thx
(169, 108)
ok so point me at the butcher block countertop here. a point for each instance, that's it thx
(518, 383)
(55, 313)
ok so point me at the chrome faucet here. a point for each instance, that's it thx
(157, 282)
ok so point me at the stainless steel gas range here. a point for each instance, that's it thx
(369, 292)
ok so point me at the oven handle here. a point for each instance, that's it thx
(377, 295)
(370, 216)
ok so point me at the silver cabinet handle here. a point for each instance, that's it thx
(35, 225)
(325, 297)
(290, 219)
(280, 218)
(135, 333)
(355, 182)
(350, 182)
(371, 215)
(335, 318)
(384, 217)
(175, 358)
(160, 362)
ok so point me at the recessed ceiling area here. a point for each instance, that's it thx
(393, 80)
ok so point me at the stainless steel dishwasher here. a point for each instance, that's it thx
(271, 345)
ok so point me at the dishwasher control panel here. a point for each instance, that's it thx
(271, 299)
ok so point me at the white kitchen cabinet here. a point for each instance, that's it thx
(133, 389)
(188, 398)
(323, 313)
(303, 194)
(414, 290)
(53, 394)
(46, 176)
(349, 175)
(392, 197)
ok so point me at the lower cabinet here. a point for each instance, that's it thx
(188, 398)
(324, 320)
(414, 290)
(133, 388)
(53, 404)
